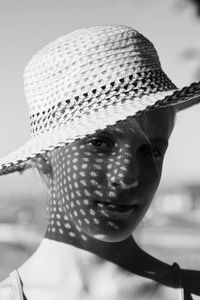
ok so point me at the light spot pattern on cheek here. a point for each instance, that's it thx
(59, 224)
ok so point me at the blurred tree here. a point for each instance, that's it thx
(181, 4)
(197, 4)
(191, 53)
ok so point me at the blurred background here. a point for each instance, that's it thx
(170, 230)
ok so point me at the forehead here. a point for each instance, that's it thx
(153, 124)
(157, 122)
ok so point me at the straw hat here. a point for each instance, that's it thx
(89, 79)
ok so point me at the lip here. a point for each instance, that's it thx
(116, 210)
(117, 205)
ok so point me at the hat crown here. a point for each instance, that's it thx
(83, 57)
(82, 66)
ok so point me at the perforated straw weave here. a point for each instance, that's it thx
(89, 79)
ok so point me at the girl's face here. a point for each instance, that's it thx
(104, 183)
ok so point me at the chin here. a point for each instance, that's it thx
(112, 234)
(112, 237)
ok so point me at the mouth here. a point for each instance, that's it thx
(116, 207)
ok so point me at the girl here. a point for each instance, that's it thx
(101, 111)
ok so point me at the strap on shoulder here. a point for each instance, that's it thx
(182, 293)
(16, 285)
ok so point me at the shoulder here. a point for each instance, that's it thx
(6, 292)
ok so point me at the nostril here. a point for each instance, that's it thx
(113, 183)
(128, 186)
(120, 184)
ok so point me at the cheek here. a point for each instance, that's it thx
(148, 188)
(152, 170)
(149, 181)
(78, 183)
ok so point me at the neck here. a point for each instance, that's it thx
(71, 235)
(58, 262)
(55, 263)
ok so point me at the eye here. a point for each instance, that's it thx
(98, 142)
(154, 151)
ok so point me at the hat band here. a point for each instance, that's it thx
(139, 84)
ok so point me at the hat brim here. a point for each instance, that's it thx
(180, 99)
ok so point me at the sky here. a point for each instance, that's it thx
(27, 26)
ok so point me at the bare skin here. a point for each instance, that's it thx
(82, 178)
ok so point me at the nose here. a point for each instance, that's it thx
(121, 185)
(125, 171)
(127, 179)
(125, 167)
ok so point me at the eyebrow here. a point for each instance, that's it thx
(151, 139)
(106, 131)
(109, 130)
